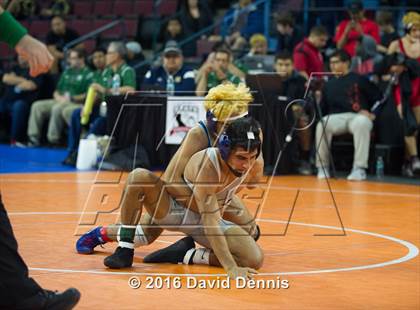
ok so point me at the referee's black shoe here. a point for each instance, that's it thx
(122, 258)
(50, 300)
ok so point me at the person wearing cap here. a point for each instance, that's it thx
(134, 52)
(172, 75)
(135, 56)
(349, 32)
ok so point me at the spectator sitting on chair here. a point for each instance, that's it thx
(307, 54)
(349, 31)
(366, 56)
(57, 38)
(258, 43)
(346, 101)
(215, 71)
(293, 87)
(115, 65)
(195, 15)
(289, 34)
(174, 32)
(257, 60)
(68, 96)
(135, 56)
(75, 127)
(21, 91)
(246, 21)
(387, 30)
(172, 75)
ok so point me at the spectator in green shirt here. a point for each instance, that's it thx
(98, 64)
(216, 71)
(69, 94)
(116, 65)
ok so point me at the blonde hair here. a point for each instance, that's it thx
(410, 19)
(257, 38)
(227, 100)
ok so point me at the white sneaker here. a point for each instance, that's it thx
(357, 174)
(323, 173)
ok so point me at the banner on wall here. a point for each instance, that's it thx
(182, 113)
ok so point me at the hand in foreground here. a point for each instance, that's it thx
(371, 116)
(241, 272)
(99, 88)
(36, 54)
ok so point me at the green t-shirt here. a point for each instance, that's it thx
(126, 73)
(97, 76)
(213, 80)
(75, 81)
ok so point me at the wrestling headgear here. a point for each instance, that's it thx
(243, 132)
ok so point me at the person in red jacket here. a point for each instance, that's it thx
(307, 55)
(349, 32)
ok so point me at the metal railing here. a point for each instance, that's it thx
(225, 19)
(94, 33)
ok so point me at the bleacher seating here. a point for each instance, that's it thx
(102, 8)
(82, 26)
(123, 8)
(167, 7)
(39, 28)
(143, 7)
(83, 8)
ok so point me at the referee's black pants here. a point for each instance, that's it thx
(15, 285)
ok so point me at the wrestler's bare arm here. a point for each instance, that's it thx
(209, 209)
(194, 142)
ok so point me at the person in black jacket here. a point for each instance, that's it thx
(17, 289)
(195, 15)
(288, 33)
(346, 102)
(293, 87)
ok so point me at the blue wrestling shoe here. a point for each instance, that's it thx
(88, 241)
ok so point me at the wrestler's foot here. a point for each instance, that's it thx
(122, 258)
(88, 241)
(174, 253)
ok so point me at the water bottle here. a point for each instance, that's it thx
(103, 109)
(379, 168)
(170, 85)
(116, 83)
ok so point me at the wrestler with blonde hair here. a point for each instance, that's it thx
(224, 104)
(409, 45)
